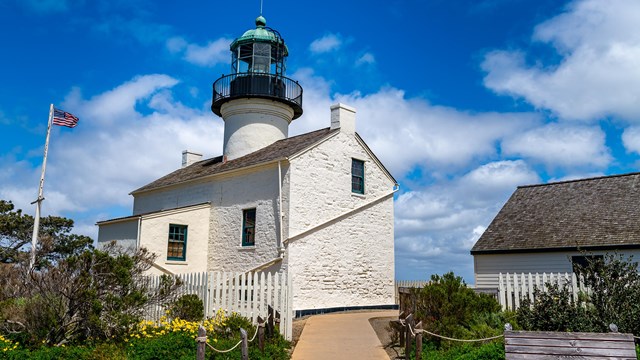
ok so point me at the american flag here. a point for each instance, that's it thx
(63, 118)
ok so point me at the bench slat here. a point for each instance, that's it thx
(543, 350)
(609, 344)
(545, 345)
(559, 357)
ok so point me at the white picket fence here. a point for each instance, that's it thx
(247, 294)
(408, 284)
(514, 287)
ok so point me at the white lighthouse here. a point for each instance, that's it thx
(257, 102)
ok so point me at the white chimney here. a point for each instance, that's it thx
(189, 157)
(343, 117)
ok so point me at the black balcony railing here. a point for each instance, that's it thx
(266, 86)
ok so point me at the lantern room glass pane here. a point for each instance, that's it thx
(261, 58)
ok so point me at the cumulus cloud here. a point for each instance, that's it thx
(213, 53)
(561, 145)
(631, 139)
(599, 45)
(366, 58)
(127, 137)
(436, 226)
(327, 43)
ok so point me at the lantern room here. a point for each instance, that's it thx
(258, 65)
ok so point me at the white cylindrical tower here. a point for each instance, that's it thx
(257, 102)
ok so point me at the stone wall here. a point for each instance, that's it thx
(231, 195)
(340, 260)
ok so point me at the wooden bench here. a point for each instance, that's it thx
(539, 345)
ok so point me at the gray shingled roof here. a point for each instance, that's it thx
(278, 150)
(601, 212)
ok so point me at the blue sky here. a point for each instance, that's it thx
(462, 100)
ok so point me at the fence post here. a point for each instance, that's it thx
(407, 344)
(419, 341)
(403, 329)
(245, 344)
(261, 333)
(202, 342)
(271, 315)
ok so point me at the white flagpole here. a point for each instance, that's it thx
(38, 202)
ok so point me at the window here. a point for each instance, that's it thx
(580, 263)
(177, 245)
(249, 227)
(357, 176)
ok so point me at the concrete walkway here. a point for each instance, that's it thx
(346, 336)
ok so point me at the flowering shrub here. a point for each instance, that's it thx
(152, 329)
(7, 345)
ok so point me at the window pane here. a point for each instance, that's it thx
(357, 176)
(248, 227)
(177, 242)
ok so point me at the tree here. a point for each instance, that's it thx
(94, 295)
(55, 238)
(613, 298)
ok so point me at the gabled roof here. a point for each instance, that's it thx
(278, 150)
(595, 213)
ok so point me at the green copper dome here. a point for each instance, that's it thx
(260, 34)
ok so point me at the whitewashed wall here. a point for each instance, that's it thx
(347, 263)
(350, 261)
(320, 182)
(258, 189)
(487, 267)
(125, 232)
(154, 235)
(172, 197)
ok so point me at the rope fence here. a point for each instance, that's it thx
(202, 339)
(408, 330)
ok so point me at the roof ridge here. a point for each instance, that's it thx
(579, 180)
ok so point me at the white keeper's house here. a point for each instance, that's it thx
(318, 206)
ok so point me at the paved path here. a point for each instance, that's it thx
(346, 336)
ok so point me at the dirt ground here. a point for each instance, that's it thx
(379, 325)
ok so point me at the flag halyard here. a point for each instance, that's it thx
(63, 118)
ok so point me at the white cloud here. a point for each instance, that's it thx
(213, 53)
(406, 133)
(366, 59)
(116, 148)
(599, 42)
(437, 226)
(631, 139)
(327, 43)
(561, 145)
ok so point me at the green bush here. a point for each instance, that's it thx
(614, 297)
(446, 306)
(187, 307)
(486, 351)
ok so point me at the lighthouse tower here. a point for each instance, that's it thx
(256, 101)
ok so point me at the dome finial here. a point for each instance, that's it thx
(261, 21)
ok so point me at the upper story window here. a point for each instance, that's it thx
(357, 176)
(177, 244)
(249, 227)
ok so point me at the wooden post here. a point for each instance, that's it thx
(261, 333)
(245, 344)
(407, 343)
(202, 342)
(419, 341)
(403, 330)
(271, 315)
